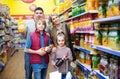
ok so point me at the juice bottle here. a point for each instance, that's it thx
(110, 8)
(90, 5)
(82, 40)
(114, 39)
(96, 4)
(105, 37)
(77, 42)
(71, 27)
(95, 62)
(116, 7)
(102, 11)
(98, 37)
(82, 56)
(104, 65)
(88, 59)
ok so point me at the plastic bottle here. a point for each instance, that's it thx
(71, 27)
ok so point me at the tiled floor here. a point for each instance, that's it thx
(15, 67)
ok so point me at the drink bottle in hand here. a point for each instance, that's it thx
(60, 61)
(47, 47)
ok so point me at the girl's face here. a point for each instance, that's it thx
(55, 20)
(40, 26)
(61, 41)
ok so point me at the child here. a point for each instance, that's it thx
(61, 51)
(35, 42)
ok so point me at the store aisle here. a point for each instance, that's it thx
(15, 67)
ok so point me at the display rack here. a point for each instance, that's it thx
(96, 49)
(7, 47)
(84, 66)
(85, 32)
(107, 20)
(82, 49)
(106, 49)
(92, 11)
(65, 11)
(89, 70)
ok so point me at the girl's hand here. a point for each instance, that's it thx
(47, 49)
(54, 49)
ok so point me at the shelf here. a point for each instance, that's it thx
(89, 70)
(106, 49)
(82, 49)
(84, 66)
(14, 27)
(12, 53)
(78, 1)
(104, 20)
(89, 32)
(2, 34)
(70, 8)
(93, 11)
(79, 5)
(2, 43)
(101, 76)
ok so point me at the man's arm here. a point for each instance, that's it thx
(39, 51)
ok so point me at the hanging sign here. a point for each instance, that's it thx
(28, 1)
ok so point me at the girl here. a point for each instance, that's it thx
(61, 51)
(35, 42)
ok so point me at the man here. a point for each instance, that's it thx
(30, 26)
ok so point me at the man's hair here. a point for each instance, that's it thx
(39, 8)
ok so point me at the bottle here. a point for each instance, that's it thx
(46, 48)
(60, 61)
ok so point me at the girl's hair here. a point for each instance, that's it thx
(40, 20)
(61, 35)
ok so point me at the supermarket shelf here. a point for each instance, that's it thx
(104, 20)
(79, 5)
(82, 49)
(70, 8)
(89, 32)
(2, 34)
(92, 11)
(106, 49)
(15, 50)
(2, 43)
(101, 76)
(89, 70)
(78, 1)
(84, 66)
(14, 27)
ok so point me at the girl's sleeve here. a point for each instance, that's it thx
(53, 56)
(29, 42)
(70, 55)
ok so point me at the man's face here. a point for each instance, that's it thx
(38, 14)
